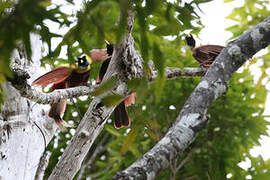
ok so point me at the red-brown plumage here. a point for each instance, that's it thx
(57, 75)
(63, 77)
(206, 54)
(121, 118)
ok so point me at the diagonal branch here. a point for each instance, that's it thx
(43, 163)
(94, 119)
(192, 118)
(101, 148)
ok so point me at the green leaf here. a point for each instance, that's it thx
(129, 139)
(227, 1)
(105, 86)
(113, 131)
(140, 86)
(112, 100)
(159, 62)
(137, 84)
(152, 134)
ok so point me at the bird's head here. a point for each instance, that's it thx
(109, 47)
(83, 63)
(190, 41)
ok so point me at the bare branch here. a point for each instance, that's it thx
(43, 163)
(192, 118)
(99, 149)
(187, 158)
(27, 91)
(97, 114)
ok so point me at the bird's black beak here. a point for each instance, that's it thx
(190, 41)
(107, 42)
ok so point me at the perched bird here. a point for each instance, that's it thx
(206, 54)
(121, 118)
(66, 77)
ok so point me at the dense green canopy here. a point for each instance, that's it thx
(236, 119)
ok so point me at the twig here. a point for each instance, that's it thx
(42, 133)
(187, 158)
(43, 163)
(55, 96)
(77, 108)
(175, 168)
(99, 149)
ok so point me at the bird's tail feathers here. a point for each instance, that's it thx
(63, 125)
(121, 118)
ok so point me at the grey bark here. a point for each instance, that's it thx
(192, 118)
(94, 119)
(23, 142)
(124, 57)
(48, 98)
(127, 64)
(43, 163)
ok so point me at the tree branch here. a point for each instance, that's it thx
(99, 149)
(97, 114)
(43, 163)
(20, 83)
(192, 118)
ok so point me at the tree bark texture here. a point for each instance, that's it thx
(97, 114)
(126, 64)
(24, 127)
(192, 118)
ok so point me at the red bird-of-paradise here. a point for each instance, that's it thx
(206, 54)
(69, 76)
(121, 118)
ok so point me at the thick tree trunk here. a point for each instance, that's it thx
(25, 128)
(192, 118)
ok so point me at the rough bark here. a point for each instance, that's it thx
(192, 118)
(48, 98)
(124, 57)
(88, 161)
(43, 163)
(94, 119)
(23, 142)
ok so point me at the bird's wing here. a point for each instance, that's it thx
(56, 76)
(211, 49)
(103, 70)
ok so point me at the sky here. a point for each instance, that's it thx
(214, 18)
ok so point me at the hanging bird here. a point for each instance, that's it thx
(66, 77)
(206, 54)
(121, 118)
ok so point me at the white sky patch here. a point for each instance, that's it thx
(228, 176)
(83, 98)
(109, 121)
(74, 100)
(72, 131)
(214, 18)
(172, 107)
(75, 114)
(144, 107)
(245, 164)
(103, 157)
(71, 122)
(128, 130)
(262, 150)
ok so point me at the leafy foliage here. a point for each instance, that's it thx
(236, 122)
